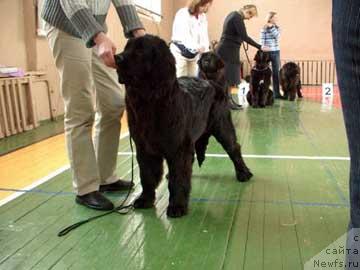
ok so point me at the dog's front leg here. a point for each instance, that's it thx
(298, 87)
(224, 133)
(255, 95)
(151, 170)
(263, 99)
(180, 169)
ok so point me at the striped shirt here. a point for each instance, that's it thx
(85, 18)
(269, 37)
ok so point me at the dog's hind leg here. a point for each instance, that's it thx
(151, 170)
(180, 169)
(224, 132)
(200, 147)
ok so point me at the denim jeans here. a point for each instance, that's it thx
(275, 66)
(346, 42)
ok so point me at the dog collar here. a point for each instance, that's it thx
(254, 68)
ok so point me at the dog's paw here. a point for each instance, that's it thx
(176, 211)
(244, 176)
(143, 202)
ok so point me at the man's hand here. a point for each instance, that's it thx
(106, 49)
(139, 32)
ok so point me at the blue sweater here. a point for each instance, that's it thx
(269, 37)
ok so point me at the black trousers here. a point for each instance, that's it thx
(346, 42)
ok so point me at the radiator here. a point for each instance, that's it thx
(17, 106)
(313, 72)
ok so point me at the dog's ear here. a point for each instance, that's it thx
(163, 61)
(199, 62)
(118, 59)
(267, 57)
(220, 63)
(257, 56)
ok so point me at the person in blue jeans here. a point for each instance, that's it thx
(269, 37)
(346, 43)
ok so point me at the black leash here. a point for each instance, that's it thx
(117, 210)
(246, 48)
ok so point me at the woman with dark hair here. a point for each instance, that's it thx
(190, 36)
(233, 35)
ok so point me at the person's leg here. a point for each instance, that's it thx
(181, 63)
(275, 66)
(232, 77)
(346, 42)
(73, 60)
(110, 105)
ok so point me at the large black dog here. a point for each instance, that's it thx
(260, 94)
(171, 119)
(290, 81)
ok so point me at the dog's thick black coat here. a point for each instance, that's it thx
(170, 119)
(260, 94)
(290, 81)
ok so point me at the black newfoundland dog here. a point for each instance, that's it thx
(290, 81)
(260, 94)
(171, 119)
(211, 68)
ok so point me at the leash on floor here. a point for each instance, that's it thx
(122, 209)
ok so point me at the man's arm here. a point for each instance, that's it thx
(241, 31)
(129, 17)
(81, 17)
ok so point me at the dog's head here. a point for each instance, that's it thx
(262, 59)
(146, 61)
(210, 64)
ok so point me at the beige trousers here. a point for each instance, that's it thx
(83, 76)
(184, 66)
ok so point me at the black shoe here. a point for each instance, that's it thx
(95, 200)
(235, 107)
(119, 185)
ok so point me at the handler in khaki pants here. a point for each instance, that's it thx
(86, 65)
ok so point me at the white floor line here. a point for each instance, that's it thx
(43, 180)
(268, 156)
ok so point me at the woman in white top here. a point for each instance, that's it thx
(190, 36)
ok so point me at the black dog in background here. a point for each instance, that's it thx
(170, 119)
(290, 81)
(260, 94)
(211, 68)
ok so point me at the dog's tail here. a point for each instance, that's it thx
(200, 148)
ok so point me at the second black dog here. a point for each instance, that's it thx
(170, 119)
(290, 81)
(260, 94)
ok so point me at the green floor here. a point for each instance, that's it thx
(290, 211)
